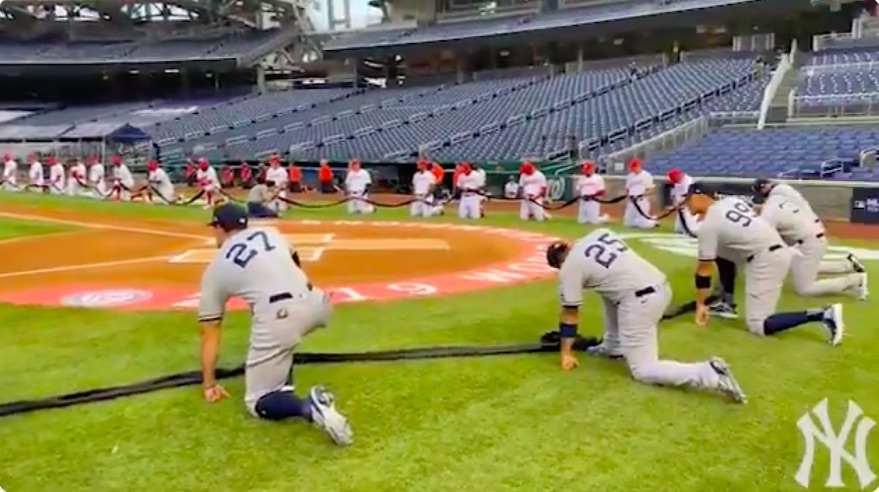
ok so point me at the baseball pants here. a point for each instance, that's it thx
(589, 212)
(358, 205)
(806, 266)
(633, 218)
(764, 280)
(274, 338)
(422, 207)
(469, 206)
(10, 184)
(529, 209)
(278, 205)
(631, 328)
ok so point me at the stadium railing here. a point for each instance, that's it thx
(784, 66)
(664, 142)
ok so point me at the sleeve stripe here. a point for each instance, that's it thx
(571, 304)
(707, 259)
(210, 317)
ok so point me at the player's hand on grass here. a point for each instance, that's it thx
(569, 362)
(214, 393)
(701, 314)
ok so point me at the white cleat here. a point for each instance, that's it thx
(834, 323)
(728, 384)
(855, 263)
(325, 416)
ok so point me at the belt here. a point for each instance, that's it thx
(284, 296)
(774, 247)
(646, 291)
(817, 236)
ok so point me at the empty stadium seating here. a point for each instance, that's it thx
(841, 78)
(770, 152)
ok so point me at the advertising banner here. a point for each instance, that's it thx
(865, 206)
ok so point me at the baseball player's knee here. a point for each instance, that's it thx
(756, 324)
(644, 372)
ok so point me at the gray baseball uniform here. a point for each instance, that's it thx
(802, 229)
(259, 194)
(793, 196)
(731, 229)
(255, 264)
(635, 295)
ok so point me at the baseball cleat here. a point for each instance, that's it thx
(855, 263)
(727, 383)
(603, 350)
(834, 323)
(723, 310)
(325, 416)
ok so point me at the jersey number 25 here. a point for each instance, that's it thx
(242, 253)
(605, 249)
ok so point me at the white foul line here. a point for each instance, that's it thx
(83, 266)
(93, 225)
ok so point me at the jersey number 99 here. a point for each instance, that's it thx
(605, 250)
(740, 214)
(242, 253)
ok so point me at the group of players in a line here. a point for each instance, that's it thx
(776, 233)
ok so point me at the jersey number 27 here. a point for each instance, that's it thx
(605, 250)
(242, 253)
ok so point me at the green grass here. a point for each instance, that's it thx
(492, 424)
(12, 228)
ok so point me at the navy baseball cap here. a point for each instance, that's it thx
(229, 216)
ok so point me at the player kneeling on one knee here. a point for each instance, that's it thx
(731, 226)
(257, 265)
(635, 295)
(259, 197)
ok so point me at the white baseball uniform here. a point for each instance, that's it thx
(533, 187)
(208, 179)
(637, 184)
(161, 183)
(731, 229)
(255, 265)
(422, 190)
(10, 175)
(76, 182)
(356, 183)
(635, 294)
(56, 179)
(801, 229)
(481, 180)
(589, 211)
(124, 180)
(678, 194)
(511, 189)
(469, 203)
(279, 176)
(793, 196)
(98, 180)
(35, 176)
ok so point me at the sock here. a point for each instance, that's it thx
(780, 322)
(280, 405)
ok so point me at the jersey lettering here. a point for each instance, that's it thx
(605, 250)
(740, 214)
(242, 253)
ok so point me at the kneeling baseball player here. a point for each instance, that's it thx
(257, 265)
(635, 296)
(801, 229)
(732, 230)
(260, 198)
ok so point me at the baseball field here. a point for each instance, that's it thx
(95, 294)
